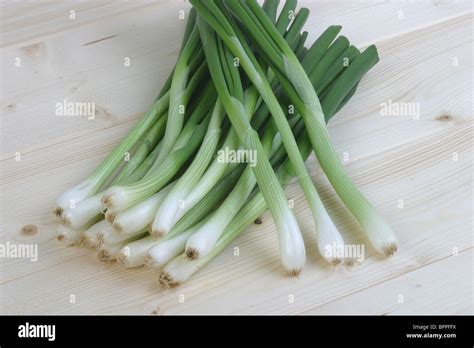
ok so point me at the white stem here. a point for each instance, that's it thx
(110, 252)
(292, 251)
(216, 170)
(210, 178)
(108, 235)
(160, 254)
(68, 236)
(91, 235)
(116, 199)
(74, 195)
(165, 214)
(140, 215)
(329, 239)
(81, 213)
(187, 206)
(381, 236)
(133, 254)
(201, 243)
(178, 270)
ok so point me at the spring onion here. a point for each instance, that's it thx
(140, 215)
(134, 254)
(69, 236)
(92, 184)
(91, 235)
(164, 251)
(244, 80)
(291, 242)
(230, 34)
(110, 252)
(170, 212)
(167, 210)
(178, 270)
(296, 83)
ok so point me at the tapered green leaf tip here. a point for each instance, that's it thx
(303, 12)
(344, 40)
(335, 27)
(372, 49)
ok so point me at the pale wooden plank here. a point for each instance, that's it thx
(68, 68)
(442, 287)
(388, 18)
(26, 22)
(29, 23)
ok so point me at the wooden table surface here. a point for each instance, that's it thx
(416, 171)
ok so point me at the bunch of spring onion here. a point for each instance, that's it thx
(244, 79)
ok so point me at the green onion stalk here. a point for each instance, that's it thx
(214, 15)
(122, 197)
(194, 172)
(207, 236)
(132, 257)
(179, 269)
(136, 254)
(203, 240)
(173, 209)
(76, 216)
(86, 217)
(189, 60)
(269, 42)
(140, 215)
(153, 252)
(190, 137)
(200, 243)
(143, 161)
(230, 91)
(93, 183)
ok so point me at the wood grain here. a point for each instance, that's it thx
(391, 158)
